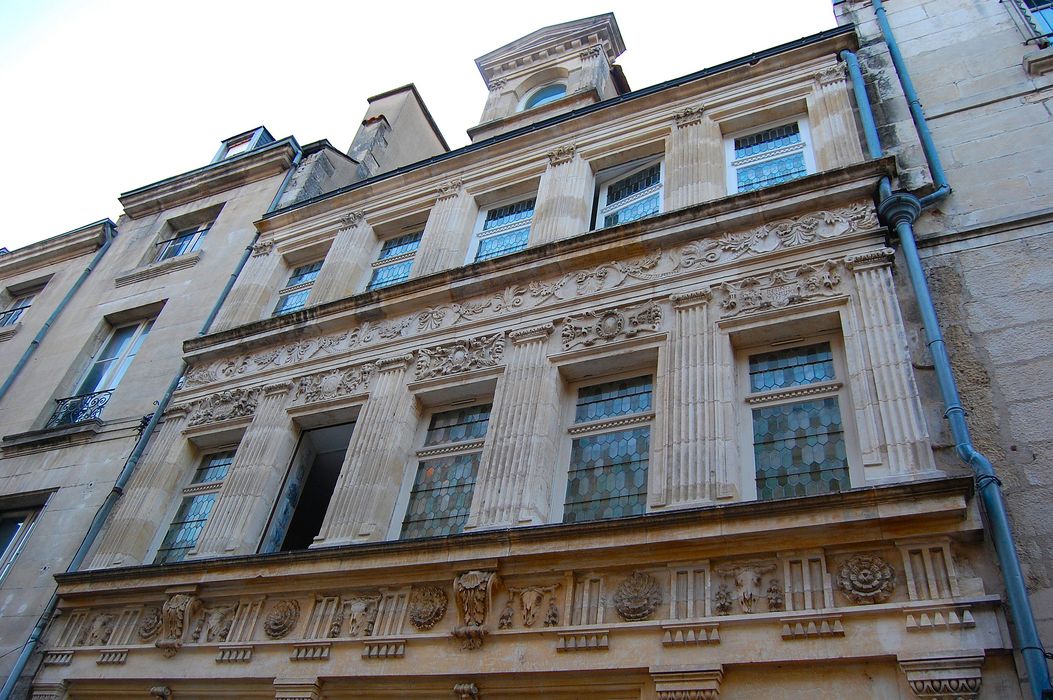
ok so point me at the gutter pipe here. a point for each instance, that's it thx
(137, 452)
(110, 233)
(899, 211)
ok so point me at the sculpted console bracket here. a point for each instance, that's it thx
(474, 591)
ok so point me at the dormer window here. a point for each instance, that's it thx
(237, 147)
(243, 143)
(544, 94)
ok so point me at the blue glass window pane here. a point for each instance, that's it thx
(304, 273)
(637, 182)
(771, 172)
(294, 301)
(390, 274)
(502, 244)
(647, 206)
(549, 93)
(1042, 13)
(183, 534)
(459, 425)
(767, 140)
(793, 367)
(508, 214)
(441, 496)
(213, 468)
(608, 475)
(613, 399)
(799, 449)
(400, 246)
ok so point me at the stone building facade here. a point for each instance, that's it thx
(625, 399)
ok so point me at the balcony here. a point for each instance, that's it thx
(77, 409)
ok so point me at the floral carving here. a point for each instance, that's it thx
(637, 597)
(176, 614)
(592, 327)
(775, 595)
(281, 620)
(335, 383)
(722, 599)
(226, 405)
(780, 288)
(474, 591)
(427, 606)
(150, 623)
(866, 578)
(461, 356)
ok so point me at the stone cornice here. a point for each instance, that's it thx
(82, 241)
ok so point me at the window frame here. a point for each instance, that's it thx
(112, 377)
(610, 176)
(1039, 19)
(292, 287)
(192, 491)
(20, 302)
(524, 103)
(196, 236)
(14, 547)
(732, 164)
(382, 263)
(480, 233)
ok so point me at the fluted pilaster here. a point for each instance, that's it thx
(445, 240)
(564, 198)
(500, 102)
(835, 140)
(255, 292)
(153, 486)
(694, 160)
(371, 476)
(346, 262)
(244, 502)
(899, 408)
(514, 481)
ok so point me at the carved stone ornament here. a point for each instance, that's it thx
(780, 288)
(262, 248)
(98, 633)
(162, 692)
(944, 676)
(461, 356)
(496, 84)
(592, 327)
(466, 691)
(335, 383)
(684, 260)
(281, 620)
(360, 613)
(722, 599)
(214, 625)
(176, 615)
(561, 155)
(830, 74)
(451, 188)
(591, 52)
(352, 219)
(637, 597)
(427, 606)
(688, 116)
(748, 578)
(150, 623)
(776, 598)
(531, 599)
(866, 578)
(507, 616)
(226, 405)
(474, 591)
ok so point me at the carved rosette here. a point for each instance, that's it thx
(335, 383)
(474, 591)
(592, 327)
(226, 405)
(176, 615)
(637, 597)
(427, 606)
(282, 618)
(461, 356)
(866, 578)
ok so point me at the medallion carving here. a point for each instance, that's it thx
(427, 606)
(866, 578)
(474, 591)
(460, 356)
(281, 619)
(226, 405)
(592, 327)
(335, 383)
(176, 614)
(637, 597)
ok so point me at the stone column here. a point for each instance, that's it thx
(343, 271)
(835, 140)
(371, 476)
(134, 522)
(564, 198)
(593, 74)
(445, 240)
(699, 406)
(244, 502)
(694, 160)
(885, 343)
(256, 290)
(514, 483)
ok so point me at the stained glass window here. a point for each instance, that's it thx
(770, 156)
(390, 274)
(637, 182)
(502, 244)
(294, 300)
(549, 93)
(771, 172)
(793, 367)
(509, 214)
(767, 140)
(400, 246)
(185, 529)
(633, 197)
(213, 468)
(458, 426)
(613, 399)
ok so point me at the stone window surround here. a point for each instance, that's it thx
(478, 234)
(608, 176)
(806, 149)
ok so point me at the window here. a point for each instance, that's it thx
(185, 241)
(504, 230)
(768, 157)
(798, 446)
(395, 261)
(103, 376)
(238, 146)
(442, 490)
(1041, 12)
(293, 296)
(630, 195)
(16, 308)
(544, 95)
(198, 499)
(15, 528)
(608, 465)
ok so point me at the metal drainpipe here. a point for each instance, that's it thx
(899, 211)
(110, 233)
(137, 452)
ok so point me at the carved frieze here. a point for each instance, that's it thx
(226, 405)
(281, 619)
(474, 591)
(427, 606)
(637, 597)
(176, 615)
(592, 327)
(335, 383)
(866, 578)
(460, 356)
(780, 288)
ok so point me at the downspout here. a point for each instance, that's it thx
(110, 233)
(137, 452)
(899, 211)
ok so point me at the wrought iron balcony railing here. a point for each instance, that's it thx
(77, 409)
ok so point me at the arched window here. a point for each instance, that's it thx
(544, 95)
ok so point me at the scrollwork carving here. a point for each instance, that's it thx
(561, 155)
(780, 288)
(866, 578)
(688, 116)
(637, 597)
(427, 606)
(592, 327)
(176, 614)
(226, 405)
(282, 618)
(335, 383)
(460, 356)
(474, 591)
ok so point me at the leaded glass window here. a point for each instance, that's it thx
(505, 230)
(798, 446)
(198, 498)
(395, 261)
(293, 296)
(607, 477)
(631, 197)
(441, 497)
(769, 157)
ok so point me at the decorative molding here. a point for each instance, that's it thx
(112, 657)
(812, 626)
(277, 389)
(466, 446)
(690, 634)
(239, 654)
(866, 578)
(701, 684)
(335, 383)
(450, 188)
(310, 651)
(939, 617)
(394, 363)
(262, 248)
(697, 297)
(950, 676)
(525, 335)
(592, 327)
(466, 691)
(226, 405)
(634, 419)
(282, 618)
(496, 84)
(561, 155)
(474, 591)
(460, 356)
(162, 692)
(176, 614)
(57, 657)
(830, 74)
(384, 649)
(795, 392)
(688, 116)
(780, 288)
(592, 640)
(352, 219)
(427, 606)
(883, 257)
(180, 262)
(8, 332)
